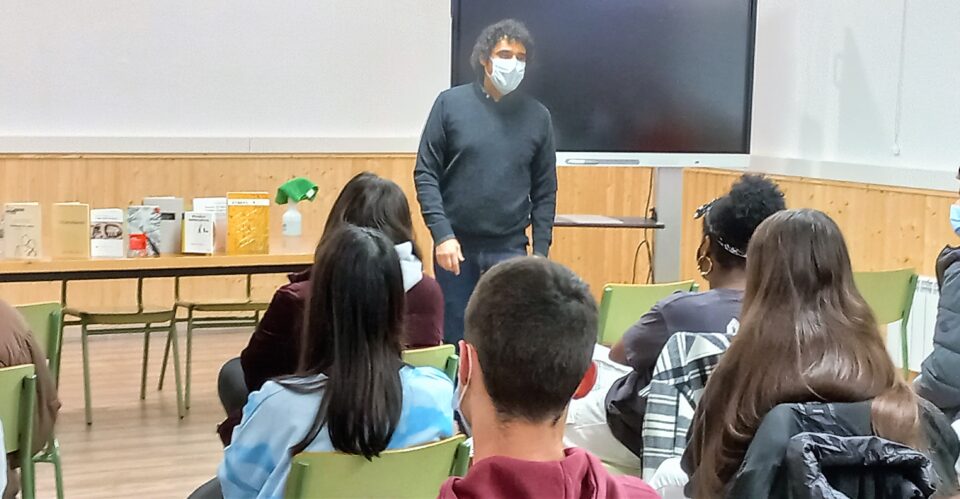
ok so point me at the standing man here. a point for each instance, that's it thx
(486, 170)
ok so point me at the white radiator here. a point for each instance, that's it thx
(923, 317)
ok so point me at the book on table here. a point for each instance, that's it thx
(171, 218)
(70, 230)
(198, 229)
(248, 223)
(22, 231)
(217, 206)
(107, 233)
(143, 231)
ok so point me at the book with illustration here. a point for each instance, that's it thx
(171, 218)
(106, 233)
(143, 231)
(198, 228)
(22, 234)
(218, 207)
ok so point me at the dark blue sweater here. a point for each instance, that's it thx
(487, 170)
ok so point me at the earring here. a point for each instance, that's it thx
(704, 273)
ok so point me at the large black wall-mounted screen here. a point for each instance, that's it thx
(645, 76)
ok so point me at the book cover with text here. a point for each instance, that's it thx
(70, 231)
(248, 223)
(198, 232)
(217, 206)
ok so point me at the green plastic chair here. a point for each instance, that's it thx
(443, 357)
(890, 295)
(18, 403)
(243, 312)
(140, 318)
(415, 472)
(623, 304)
(45, 321)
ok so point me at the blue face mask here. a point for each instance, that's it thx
(955, 218)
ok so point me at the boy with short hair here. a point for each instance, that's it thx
(530, 329)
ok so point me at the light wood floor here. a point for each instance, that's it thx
(138, 449)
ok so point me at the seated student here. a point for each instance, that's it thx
(352, 392)
(19, 347)
(806, 335)
(530, 329)
(615, 410)
(366, 201)
(939, 380)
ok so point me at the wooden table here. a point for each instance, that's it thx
(284, 258)
(164, 266)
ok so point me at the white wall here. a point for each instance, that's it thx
(360, 75)
(354, 74)
(827, 79)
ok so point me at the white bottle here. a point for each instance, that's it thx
(292, 220)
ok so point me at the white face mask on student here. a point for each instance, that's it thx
(506, 74)
(955, 218)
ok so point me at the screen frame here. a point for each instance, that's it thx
(640, 158)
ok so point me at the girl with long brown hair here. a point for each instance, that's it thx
(806, 335)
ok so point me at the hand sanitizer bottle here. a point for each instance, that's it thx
(292, 220)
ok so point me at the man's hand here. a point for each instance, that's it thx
(449, 256)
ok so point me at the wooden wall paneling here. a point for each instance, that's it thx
(885, 227)
(602, 255)
(104, 181)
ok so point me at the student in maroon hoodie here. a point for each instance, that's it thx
(529, 333)
(366, 201)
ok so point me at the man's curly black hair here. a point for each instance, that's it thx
(511, 29)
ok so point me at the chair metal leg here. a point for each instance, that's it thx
(176, 368)
(86, 374)
(186, 395)
(146, 359)
(57, 469)
(905, 350)
(28, 479)
(163, 366)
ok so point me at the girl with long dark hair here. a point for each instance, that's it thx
(352, 393)
(274, 348)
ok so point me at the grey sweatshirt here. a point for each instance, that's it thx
(487, 170)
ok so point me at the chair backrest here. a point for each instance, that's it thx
(443, 357)
(45, 320)
(18, 400)
(412, 472)
(889, 293)
(623, 304)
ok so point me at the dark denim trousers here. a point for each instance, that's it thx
(458, 288)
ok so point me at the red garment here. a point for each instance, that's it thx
(578, 476)
(273, 349)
